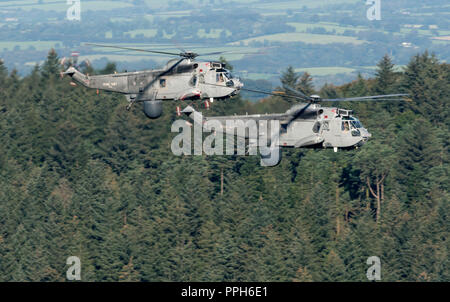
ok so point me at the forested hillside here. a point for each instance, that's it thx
(81, 176)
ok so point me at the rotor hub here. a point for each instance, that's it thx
(315, 98)
(189, 55)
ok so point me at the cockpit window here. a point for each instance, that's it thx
(162, 83)
(356, 124)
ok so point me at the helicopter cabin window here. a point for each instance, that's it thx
(316, 127)
(345, 126)
(162, 83)
(219, 78)
(193, 81)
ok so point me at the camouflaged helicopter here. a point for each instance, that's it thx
(180, 79)
(304, 125)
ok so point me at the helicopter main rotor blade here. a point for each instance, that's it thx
(282, 94)
(228, 53)
(211, 53)
(296, 114)
(276, 93)
(374, 100)
(163, 74)
(178, 45)
(297, 92)
(366, 98)
(136, 49)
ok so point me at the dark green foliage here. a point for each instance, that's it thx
(385, 76)
(80, 176)
(51, 67)
(109, 69)
(289, 77)
(305, 84)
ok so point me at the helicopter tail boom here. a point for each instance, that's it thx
(78, 77)
(114, 83)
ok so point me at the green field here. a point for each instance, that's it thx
(279, 6)
(148, 33)
(295, 5)
(39, 45)
(324, 71)
(170, 14)
(302, 27)
(62, 6)
(313, 71)
(317, 71)
(213, 33)
(302, 37)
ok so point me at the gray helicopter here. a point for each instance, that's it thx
(181, 79)
(304, 125)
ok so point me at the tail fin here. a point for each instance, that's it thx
(77, 76)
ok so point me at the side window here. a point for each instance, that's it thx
(345, 126)
(162, 83)
(201, 78)
(316, 127)
(193, 81)
(219, 77)
(326, 126)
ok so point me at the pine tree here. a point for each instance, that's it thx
(417, 152)
(375, 162)
(289, 77)
(385, 76)
(51, 67)
(305, 84)
(426, 80)
(3, 73)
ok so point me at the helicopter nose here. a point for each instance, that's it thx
(365, 134)
(237, 83)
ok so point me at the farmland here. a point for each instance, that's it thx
(61, 6)
(302, 37)
(329, 39)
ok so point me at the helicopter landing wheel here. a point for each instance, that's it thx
(129, 106)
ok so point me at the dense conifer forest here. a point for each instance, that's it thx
(81, 176)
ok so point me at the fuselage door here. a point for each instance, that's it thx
(133, 84)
